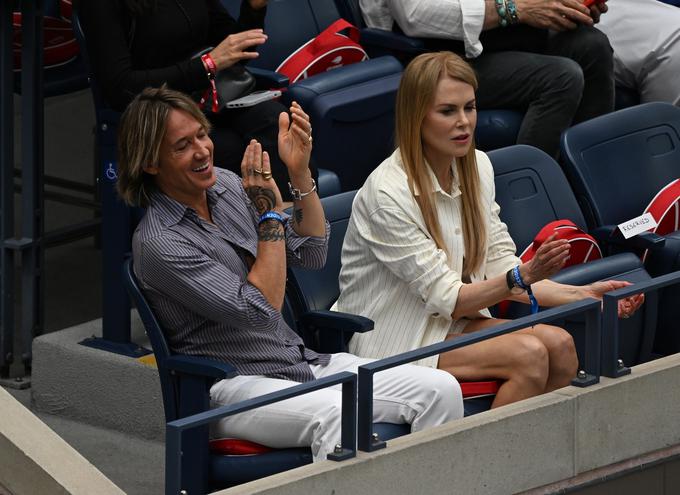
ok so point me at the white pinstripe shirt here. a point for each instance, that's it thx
(392, 270)
(195, 276)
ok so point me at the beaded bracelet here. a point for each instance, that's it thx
(271, 215)
(512, 11)
(507, 12)
(502, 10)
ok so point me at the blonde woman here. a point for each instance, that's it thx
(425, 252)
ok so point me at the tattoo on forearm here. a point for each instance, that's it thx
(271, 230)
(297, 216)
(263, 199)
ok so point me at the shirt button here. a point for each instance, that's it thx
(457, 231)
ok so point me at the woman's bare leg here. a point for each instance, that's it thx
(530, 361)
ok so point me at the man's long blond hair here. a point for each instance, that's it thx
(415, 97)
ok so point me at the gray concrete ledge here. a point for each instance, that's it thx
(36, 460)
(97, 387)
(511, 449)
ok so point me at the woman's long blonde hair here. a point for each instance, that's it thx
(415, 97)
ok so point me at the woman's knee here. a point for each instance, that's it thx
(561, 349)
(529, 360)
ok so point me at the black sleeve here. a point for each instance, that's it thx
(107, 33)
(222, 24)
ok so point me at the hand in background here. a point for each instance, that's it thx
(257, 4)
(558, 15)
(627, 306)
(597, 9)
(295, 140)
(234, 48)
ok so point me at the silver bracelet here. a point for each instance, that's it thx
(297, 194)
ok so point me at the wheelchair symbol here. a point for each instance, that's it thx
(111, 172)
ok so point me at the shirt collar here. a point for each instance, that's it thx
(455, 189)
(170, 211)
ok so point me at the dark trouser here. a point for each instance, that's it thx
(557, 80)
(234, 128)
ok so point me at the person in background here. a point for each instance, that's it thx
(426, 253)
(211, 256)
(133, 44)
(645, 36)
(542, 57)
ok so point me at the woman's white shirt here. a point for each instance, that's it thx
(392, 271)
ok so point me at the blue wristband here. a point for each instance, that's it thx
(271, 215)
(518, 280)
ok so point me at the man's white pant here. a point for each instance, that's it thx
(421, 396)
(645, 36)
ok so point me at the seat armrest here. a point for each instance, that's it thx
(394, 42)
(268, 78)
(610, 234)
(333, 329)
(335, 321)
(199, 366)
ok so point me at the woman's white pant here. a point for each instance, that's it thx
(421, 396)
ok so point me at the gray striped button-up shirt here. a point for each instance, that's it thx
(194, 275)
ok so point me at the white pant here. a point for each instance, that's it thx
(421, 396)
(645, 36)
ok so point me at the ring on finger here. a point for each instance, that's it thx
(266, 175)
(257, 171)
(310, 138)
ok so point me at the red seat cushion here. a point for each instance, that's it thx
(474, 389)
(235, 446)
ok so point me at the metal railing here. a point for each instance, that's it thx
(612, 366)
(175, 461)
(588, 376)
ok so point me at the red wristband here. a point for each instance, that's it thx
(211, 69)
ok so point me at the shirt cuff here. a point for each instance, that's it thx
(441, 299)
(501, 266)
(473, 22)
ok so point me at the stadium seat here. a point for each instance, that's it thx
(351, 104)
(185, 386)
(62, 79)
(496, 128)
(617, 163)
(531, 190)
(353, 117)
(312, 293)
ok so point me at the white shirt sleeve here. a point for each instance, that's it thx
(443, 19)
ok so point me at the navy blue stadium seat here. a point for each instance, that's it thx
(312, 293)
(352, 111)
(351, 108)
(62, 79)
(496, 128)
(616, 164)
(532, 190)
(185, 386)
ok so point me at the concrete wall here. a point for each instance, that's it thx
(96, 387)
(515, 448)
(35, 460)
